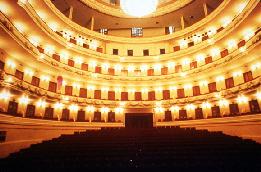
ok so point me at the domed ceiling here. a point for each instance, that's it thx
(85, 10)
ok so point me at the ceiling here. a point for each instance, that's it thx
(82, 14)
(117, 2)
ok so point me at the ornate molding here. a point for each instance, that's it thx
(54, 97)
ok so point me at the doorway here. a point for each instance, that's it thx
(138, 120)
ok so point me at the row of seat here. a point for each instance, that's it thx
(147, 148)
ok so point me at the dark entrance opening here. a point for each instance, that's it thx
(138, 120)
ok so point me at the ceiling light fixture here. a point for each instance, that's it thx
(137, 8)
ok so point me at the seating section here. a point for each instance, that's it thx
(172, 148)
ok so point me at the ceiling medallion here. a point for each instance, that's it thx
(138, 8)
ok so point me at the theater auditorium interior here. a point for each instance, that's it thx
(125, 85)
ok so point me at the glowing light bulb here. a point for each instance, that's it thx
(183, 43)
(20, 26)
(175, 108)
(240, 7)
(41, 103)
(11, 64)
(74, 107)
(223, 103)
(24, 100)
(58, 105)
(200, 57)
(119, 110)
(242, 99)
(211, 31)
(4, 8)
(35, 40)
(29, 72)
(231, 44)
(90, 108)
(220, 78)
(137, 9)
(225, 21)
(53, 26)
(190, 107)
(5, 95)
(105, 110)
(248, 33)
(78, 60)
(206, 105)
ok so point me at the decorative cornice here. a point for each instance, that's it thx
(117, 12)
(54, 97)
(191, 73)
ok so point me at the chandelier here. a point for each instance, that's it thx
(138, 8)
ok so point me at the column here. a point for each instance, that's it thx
(171, 67)
(157, 69)
(224, 107)
(186, 64)
(243, 107)
(63, 87)
(71, 12)
(28, 75)
(64, 57)
(173, 92)
(206, 109)
(117, 93)
(91, 67)
(159, 114)
(131, 70)
(104, 113)
(174, 112)
(220, 83)
(144, 69)
(158, 94)
(89, 113)
(119, 114)
(58, 112)
(22, 108)
(90, 92)
(78, 63)
(40, 108)
(76, 89)
(238, 78)
(256, 70)
(215, 53)
(203, 87)
(73, 112)
(10, 67)
(144, 94)
(104, 93)
(104, 69)
(92, 23)
(190, 108)
(131, 94)
(188, 90)
(182, 23)
(205, 9)
(117, 69)
(243, 104)
(207, 112)
(44, 82)
(4, 100)
(200, 60)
